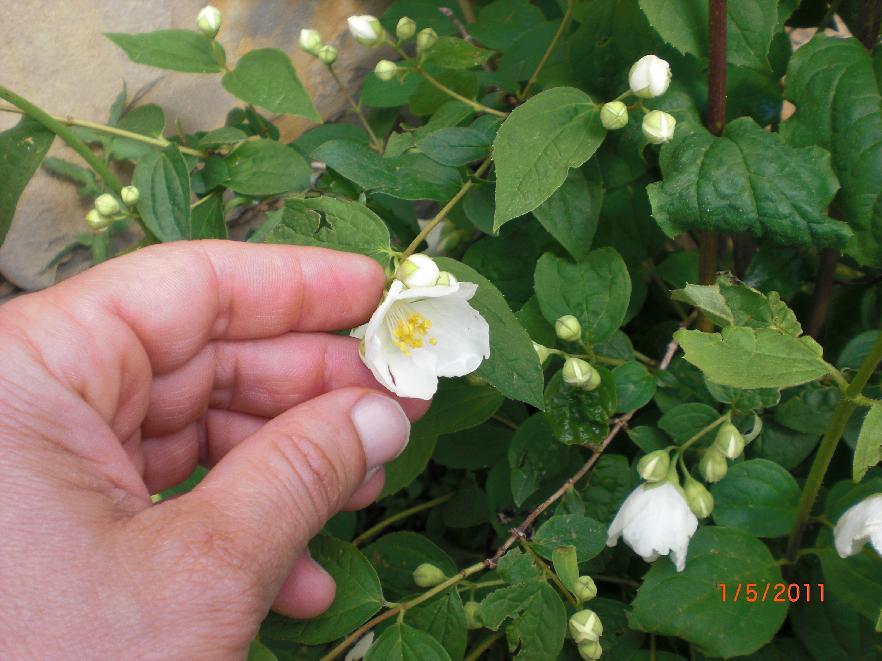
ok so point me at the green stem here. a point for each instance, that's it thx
(480, 585)
(65, 133)
(827, 448)
(485, 645)
(550, 575)
(475, 105)
(692, 441)
(565, 21)
(376, 143)
(385, 523)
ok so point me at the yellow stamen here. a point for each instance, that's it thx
(408, 329)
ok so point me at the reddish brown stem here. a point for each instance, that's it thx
(823, 291)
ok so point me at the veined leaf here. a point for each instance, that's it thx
(22, 148)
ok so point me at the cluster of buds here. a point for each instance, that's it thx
(428, 575)
(649, 77)
(107, 208)
(421, 271)
(311, 42)
(209, 20)
(728, 444)
(586, 629)
(656, 467)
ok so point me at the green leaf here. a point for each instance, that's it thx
(456, 53)
(265, 77)
(577, 416)
(358, 595)
(178, 50)
(500, 23)
(147, 120)
(868, 451)
(411, 463)
(442, 617)
(330, 223)
(397, 554)
(401, 642)
(513, 367)
(534, 457)
(455, 145)
(459, 405)
(566, 565)
(635, 386)
(586, 534)
(609, 486)
(22, 149)
(427, 98)
(571, 213)
(479, 447)
(836, 93)
(753, 358)
(758, 497)
(226, 135)
(164, 184)
(260, 652)
(689, 604)
(83, 178)
(596, 290)
(517, 567)
(684, 421)
(746, 180)
(207, 219)
(539, 619)
(266, 167)
(537, 145)
(376, 93)
(831, 630)
(782, 445)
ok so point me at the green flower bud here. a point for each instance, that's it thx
(658, 127)
(472, 617)
(106, 205)
(96, 221)
(568, 328)
(591, 650)
(585, 588)
(327, 54)
(585, 626)
(386, 70)
(130, 195)
(310, 41)
(418, 271)
(614, 115)
(729, 441)
(700, 500)
(406, 28)
(426, 38)
(209, 21)
(428, 575)
(366, 29)
(446, 279)
(542, 351)
(580, 373)
(653, 467)
(713, 465)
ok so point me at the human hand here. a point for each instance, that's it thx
(116, 383)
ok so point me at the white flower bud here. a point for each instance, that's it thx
(358, 651)
(585, 626)
(96, 221)
(106, 205)
(426, 38)
(585, 588)
(700, 500)
(418, 271)
(590, 651)
(472, 616)
(614, 115)
(428, 575)
(446, 279)
(130, 195)
(658, 127)
(579, 373)
(310, 41)
(649, 77)
(366, 29)
(406, 28)
(542, 351)
(713, 465)
(209, 21)
(327, 54)
(653, 467)
(386, 70)
(729, 441)
(568, 328)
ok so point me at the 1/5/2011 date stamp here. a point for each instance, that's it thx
(774, 592)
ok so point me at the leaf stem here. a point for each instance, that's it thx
(376, 143)
(113, 130)
(565, 21)
(485, 645)
(442, 214)
(550, 575)
(827, 448)
(410, 511)
(65, 133)
(697, 437)
(475, 105)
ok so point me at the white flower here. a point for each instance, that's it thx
(360, 649)
(366, 29)
(649, 77)
(418, 334)
(209, 21)
(655, 520)
(860, 524)
(310, 41)
(658, 127)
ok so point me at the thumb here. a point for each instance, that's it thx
(257, 509)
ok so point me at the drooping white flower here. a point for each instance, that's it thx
(366, 29)
(649, 77)
(655, 520)
(418, 334)
(360, 649)
(860, 524)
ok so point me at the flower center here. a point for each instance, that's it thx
(408, 328)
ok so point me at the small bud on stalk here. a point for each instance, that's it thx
(96, 221)
(658, 127)
(585, 588)
(428, 575)
(580, 373)
(590, 651)
(568, 328)
(327, 54)
(418, 271)
(729, 441)
(542, 351)
(130, 195)
(406, 28)
(649, 77)
(310, 41)
(209, 21)
(366, 29)
(386, 70)
(713, 465)
(106, 204)
(614, 115)
(653, 467)
(700, 500)
(585, 626)
(472, 617)
(426, 38)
